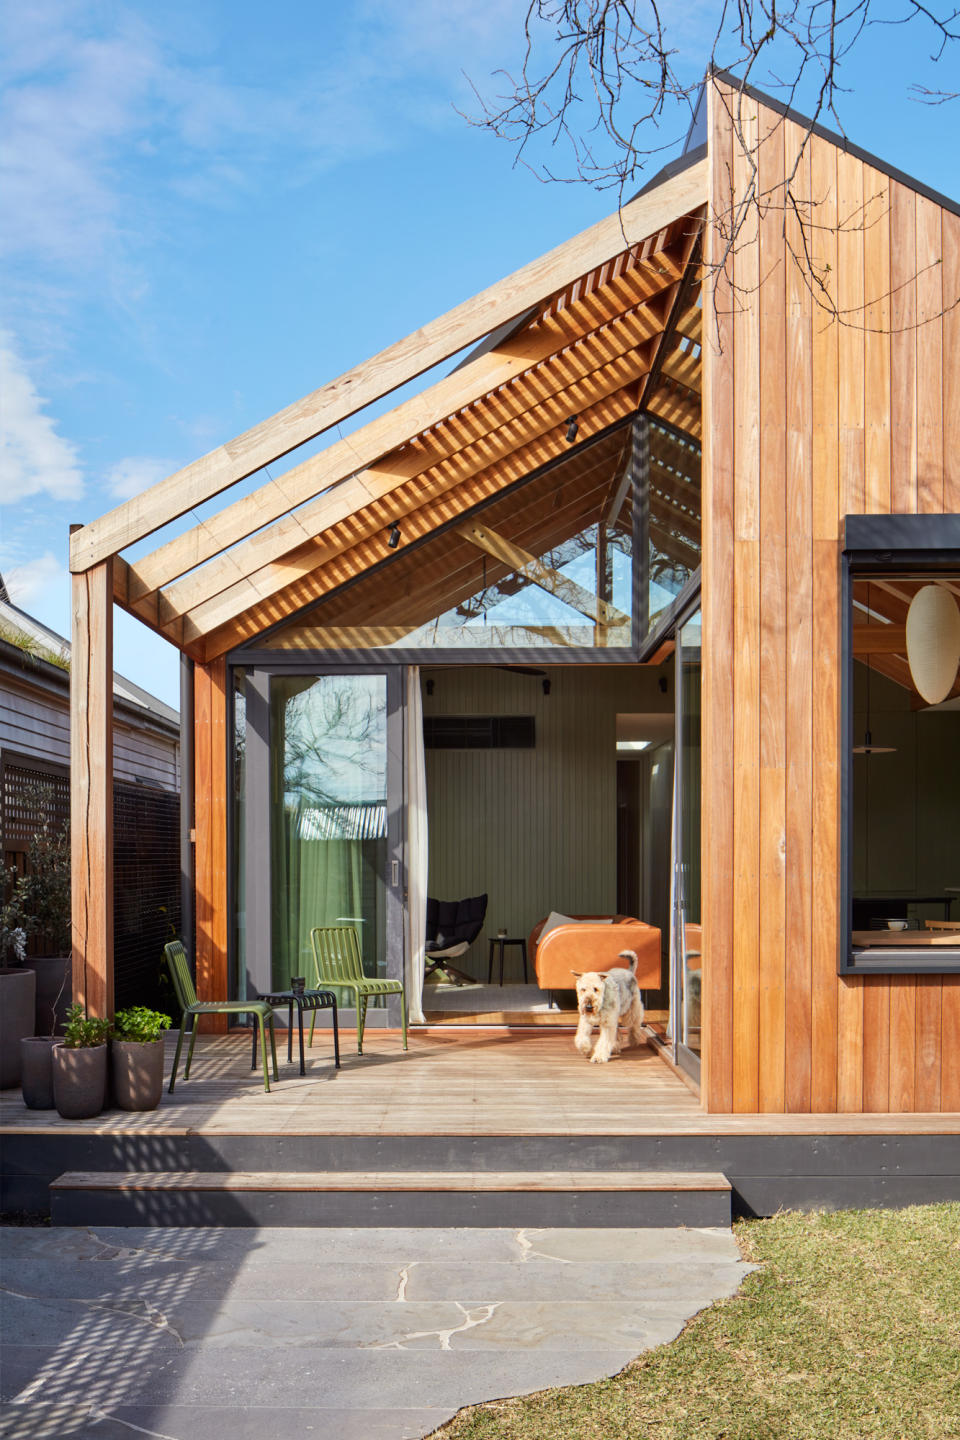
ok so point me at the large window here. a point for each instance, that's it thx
(902, 745)
(579, 560)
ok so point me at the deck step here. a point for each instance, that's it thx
(391, 1197)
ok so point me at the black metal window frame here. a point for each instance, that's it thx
(881, 545)
(263, 655)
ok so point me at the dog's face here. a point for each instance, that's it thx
(590, 993)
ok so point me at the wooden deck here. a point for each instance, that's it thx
(467, 1083)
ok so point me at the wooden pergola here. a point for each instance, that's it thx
(604, 325)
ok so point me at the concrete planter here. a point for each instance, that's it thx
(17, 997)
(79, 1080)
(137, 1067)
(54, 992)
(36, 1054)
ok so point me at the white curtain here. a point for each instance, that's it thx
(417, 851)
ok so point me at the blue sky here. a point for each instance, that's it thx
(209, 209)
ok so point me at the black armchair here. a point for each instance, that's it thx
(452, 927)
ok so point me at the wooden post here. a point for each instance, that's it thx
(91, 788)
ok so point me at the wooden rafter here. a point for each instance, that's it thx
(337, 510)
(369, 553)
(498, 386)
(319, 567)
(397, 365)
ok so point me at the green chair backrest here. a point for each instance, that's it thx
(336, 954)
(179, 968)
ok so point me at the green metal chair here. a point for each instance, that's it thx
(336, 958)
(176, 957)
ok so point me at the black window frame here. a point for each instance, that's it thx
(875, 546)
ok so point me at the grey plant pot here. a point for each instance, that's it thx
(54, 992)
(17, 992)
(137, 1067)
(36, 1053)
(79, 1080)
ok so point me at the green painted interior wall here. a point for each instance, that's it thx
(535, 829)
(906, 810)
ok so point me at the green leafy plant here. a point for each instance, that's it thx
(140, 1024)
(13, 938)
(38, 901)
(81, 1031)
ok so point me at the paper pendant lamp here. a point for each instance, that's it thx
(933, 642)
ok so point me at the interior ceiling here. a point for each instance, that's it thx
(592, 350)
(879, 627)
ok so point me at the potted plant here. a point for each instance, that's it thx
(136, 1052)
(80, 1066)
(17, 995)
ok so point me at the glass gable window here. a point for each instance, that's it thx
(548, 565)
(581, 556)
(673, 516)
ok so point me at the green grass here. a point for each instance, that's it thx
(34, 649)
(851, 1331)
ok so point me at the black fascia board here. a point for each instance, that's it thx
(840, 141)
(927, 535)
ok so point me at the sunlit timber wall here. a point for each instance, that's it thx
(808, 419)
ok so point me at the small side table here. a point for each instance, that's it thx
(503, 941)
(309, 1000)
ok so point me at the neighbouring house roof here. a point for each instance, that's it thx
(24, 639)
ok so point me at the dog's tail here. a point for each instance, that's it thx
(631, 956)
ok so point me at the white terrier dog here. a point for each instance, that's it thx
(609, 998)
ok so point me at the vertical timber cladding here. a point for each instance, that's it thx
(210, 788)
(809, 419)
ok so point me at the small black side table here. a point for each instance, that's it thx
(503, 941)
(309, 1000)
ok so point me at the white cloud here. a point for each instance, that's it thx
(33, 456)
(136, 473)
(37, 585)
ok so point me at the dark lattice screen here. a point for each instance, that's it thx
(25, 783)
(146, 861)
(146, 900)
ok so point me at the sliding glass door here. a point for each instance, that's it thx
(686, 959)
(321, 839)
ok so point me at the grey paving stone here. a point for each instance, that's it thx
(377, 1334)
(601, 1280)
(191, 1422)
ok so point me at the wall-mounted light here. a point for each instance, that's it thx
(573, 425)
(625, 746)
(394, 540)
(546, 687)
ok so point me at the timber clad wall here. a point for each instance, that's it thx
(808, 419)
(210, 851)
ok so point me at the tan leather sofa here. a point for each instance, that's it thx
(594, 947)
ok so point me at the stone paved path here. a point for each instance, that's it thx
(367, 1334)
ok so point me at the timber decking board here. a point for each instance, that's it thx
(482, 1083)
(327, 1181)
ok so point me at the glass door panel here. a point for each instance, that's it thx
(686, 933)
(328, 821)
(322, 814)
